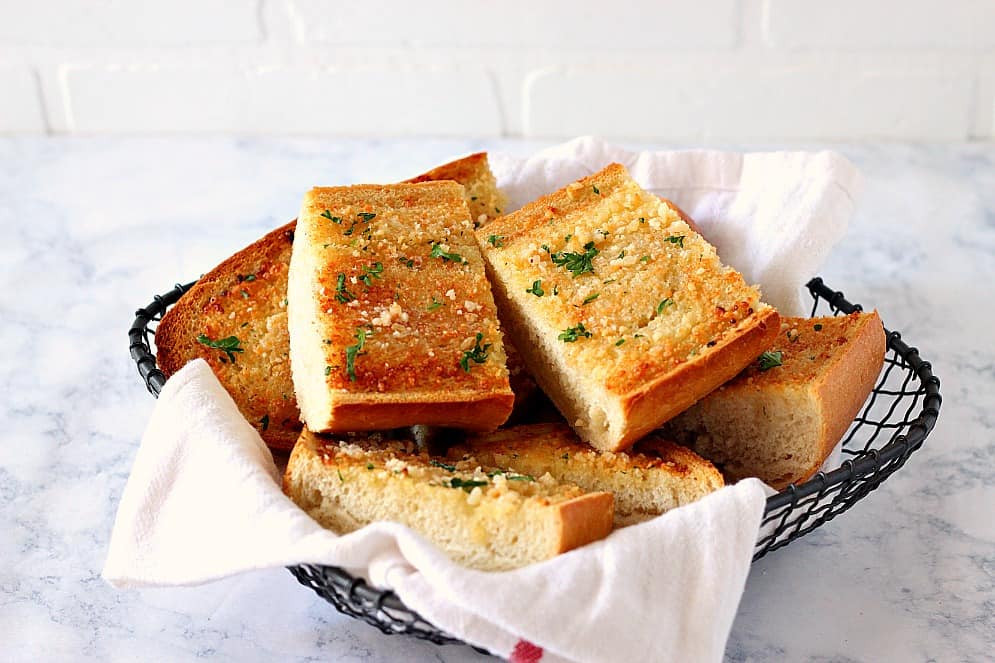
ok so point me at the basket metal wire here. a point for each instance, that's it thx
(894, 423)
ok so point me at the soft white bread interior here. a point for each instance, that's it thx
(623, 314)
(781, 418)
(391, 318)
(487, 518)
(659, 477)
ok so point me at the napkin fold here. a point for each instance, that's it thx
(774, 216)
(203, 502)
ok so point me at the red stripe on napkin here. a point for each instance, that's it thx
(525, 652)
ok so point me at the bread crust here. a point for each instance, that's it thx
(468, 410)
(660, 400)
(848, 379)
(721, 323)
(584, 519)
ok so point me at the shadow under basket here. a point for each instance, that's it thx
(893, 423)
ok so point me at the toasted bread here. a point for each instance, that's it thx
(622, 313)
(223, 304)
(659, 477)
(781, 422)
(391, 317)
(485, 199)
(486, 518)
(245, 299)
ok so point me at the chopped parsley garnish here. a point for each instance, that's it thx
(371, 272)
(229, 345)
(556, 289)
(664, 304)
(342, 294)
(536, 289)
(369, 466)
(576, 263)
(475, 354)
(328, 370)
(817, 327)
(245, 293)
(445, 466)
(264, 422)
(511, 475)
(620, 255)
(364, 217)
(567, 238)
(565, 456)
(676, 239)
(596, 190)
(590, 298)
(353, 351)
(341, 478)
(407, 262)
(571, 334)
(434, 305)
(619, 342)
(496, 240)
(437, 252)
(465, 484)
(642, 220)
(250, 277)
(644, 259)
(333, 219)
(244, 324)
(769, 360)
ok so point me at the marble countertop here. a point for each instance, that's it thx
(91, 228)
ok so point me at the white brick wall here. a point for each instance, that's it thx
(710, 70)
(548, 24)
(20, 103)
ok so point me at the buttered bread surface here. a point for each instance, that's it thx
(392, 321)
(624, 314)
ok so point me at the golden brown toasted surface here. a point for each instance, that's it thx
(650, 292)
(616, 304)
(549, 443)
(401, 268)
(487, 518)
(483, 197)
(260, 380)
(650, 479)
(806, 348)
(243, 298)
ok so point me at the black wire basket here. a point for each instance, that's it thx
(894, 422)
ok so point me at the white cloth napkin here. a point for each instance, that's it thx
(773, 216)
(204, 501)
